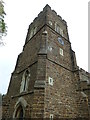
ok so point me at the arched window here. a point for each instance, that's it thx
(25, 81)
(19, 108)
(19, 113)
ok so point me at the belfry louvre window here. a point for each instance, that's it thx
(58, 29)
(32, 32)
(61, 31)
(35, 30)
(50, 22)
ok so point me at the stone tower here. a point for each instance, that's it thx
(46, 82)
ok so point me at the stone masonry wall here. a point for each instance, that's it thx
(17, 78)
(62, 100)
(54, 55)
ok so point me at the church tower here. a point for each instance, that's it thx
(46, 81)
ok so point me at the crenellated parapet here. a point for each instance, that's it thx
(84, 76)
(46, 9)
(85, 83)
(50, 18)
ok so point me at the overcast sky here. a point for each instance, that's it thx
(20, 13)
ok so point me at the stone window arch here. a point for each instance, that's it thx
(25, 81)
(19, 113)
(19, 108)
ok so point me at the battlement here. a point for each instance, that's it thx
(48, 8)
(48, 17)
(84, 72)
(84, 80)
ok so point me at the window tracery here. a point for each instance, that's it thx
(25, 81)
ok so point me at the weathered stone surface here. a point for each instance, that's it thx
(68, 98)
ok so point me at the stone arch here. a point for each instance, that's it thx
(19, 112)
(25, 81)
(19, 108)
